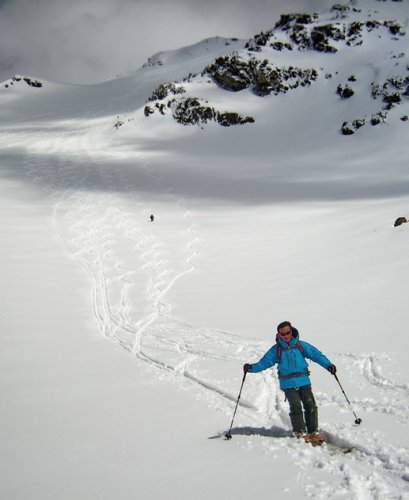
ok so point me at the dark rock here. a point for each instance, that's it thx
(399, 221)
(394, 27)
(350, 128)
(341, 11)
(235, 74)
(230, 72)
(320, 42)
(354, 31)
(357, 124)
(287, 20)
(280, 46)
(163, 90)
(161, 107)
(148, 111)
(345, 92)
(346, 129)
(377, 119)
(259, 41)
(190, 111)
(392, 98)
(33, 83)
(371, 25)
(227, 119)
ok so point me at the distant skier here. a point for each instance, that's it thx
(152, 218)
(290, 353)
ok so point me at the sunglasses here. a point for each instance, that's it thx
(285, 334)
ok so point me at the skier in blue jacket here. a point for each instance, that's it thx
(290, 353)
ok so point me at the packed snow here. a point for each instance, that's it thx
(123, 339)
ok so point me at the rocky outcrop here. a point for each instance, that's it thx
(392, 92)
(287, 21)
(345, 92)
(306, 34)
(340, 11)
(166, 89)
(148, 110)
(316, 37)
(194, 111)
(252, 69)
(350, 128)
(29, 81)
(235, 73)
(266, 39)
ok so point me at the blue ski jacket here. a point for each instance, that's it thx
(292, 366)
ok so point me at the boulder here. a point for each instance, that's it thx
(399, 221)
(345, 92)
(148, 111)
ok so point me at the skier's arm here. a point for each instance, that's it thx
(314, 354)
(268, 360)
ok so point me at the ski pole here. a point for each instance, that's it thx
(228, 433)
(358, 421)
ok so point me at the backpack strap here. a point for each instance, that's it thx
(296, 346)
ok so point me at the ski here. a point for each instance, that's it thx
(320, 440)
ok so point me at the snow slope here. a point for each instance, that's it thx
(122, 340)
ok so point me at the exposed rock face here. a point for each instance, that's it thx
(235, 73)
(315, 37)
(164, 90)
(322, 37)
(193, 111)
(230, 118)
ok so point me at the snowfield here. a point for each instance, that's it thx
(123, 340)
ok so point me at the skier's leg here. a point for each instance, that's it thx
(296, 414)
(310, 408)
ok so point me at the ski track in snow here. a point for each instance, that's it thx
(132, 269)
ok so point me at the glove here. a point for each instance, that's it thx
(332, 369)
(247, 368)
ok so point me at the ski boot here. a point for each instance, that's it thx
(314, 438)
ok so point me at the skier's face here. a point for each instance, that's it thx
(285, 333)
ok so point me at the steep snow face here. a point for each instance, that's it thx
(291, 55)
(282, 218)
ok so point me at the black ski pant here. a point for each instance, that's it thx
(298, 398)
